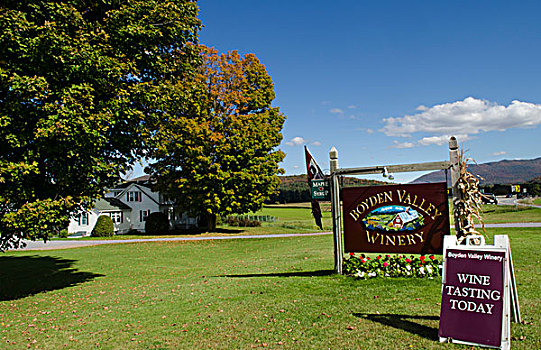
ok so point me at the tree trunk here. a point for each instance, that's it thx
(211, 222)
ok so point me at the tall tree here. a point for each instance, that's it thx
(81, 90)
(218, 156)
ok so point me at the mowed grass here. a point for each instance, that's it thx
(278, 293)
(509, 213)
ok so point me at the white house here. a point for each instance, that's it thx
(128, 205)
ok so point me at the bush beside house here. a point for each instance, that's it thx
(157, 223)
(104, 227)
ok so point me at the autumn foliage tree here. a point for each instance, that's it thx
(81, 89)
(217, 155)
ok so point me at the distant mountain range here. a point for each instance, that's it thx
(502, 172)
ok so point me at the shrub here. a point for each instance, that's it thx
(63, 233)
(241, 221)
(157, 223)
(104, 227)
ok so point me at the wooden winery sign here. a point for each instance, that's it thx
(396, 218)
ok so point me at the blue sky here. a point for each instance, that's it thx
(386, 82)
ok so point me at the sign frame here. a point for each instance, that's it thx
(510, 306)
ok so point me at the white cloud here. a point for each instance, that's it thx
(336, 111)
(471, 115)
(316, 143)
(369, 131)
(441, 140)
(397, 144)
(352, 107)
(296, 141)
(501, 153)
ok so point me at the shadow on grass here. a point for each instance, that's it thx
(21, 276)
(405, 322)
(318, 273)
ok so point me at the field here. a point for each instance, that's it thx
(277, 293)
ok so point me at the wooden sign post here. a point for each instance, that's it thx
(478, 293)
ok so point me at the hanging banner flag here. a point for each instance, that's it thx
(314, 173)
(396, 218)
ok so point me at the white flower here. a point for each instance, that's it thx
(360, 274)
(422, 270)
(372, 274)
(429, 269)
(408, 267)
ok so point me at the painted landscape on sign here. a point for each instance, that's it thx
(393, 218)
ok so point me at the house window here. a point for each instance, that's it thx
(133, 196)
(83, 219)
(116, 217)
(143, 215)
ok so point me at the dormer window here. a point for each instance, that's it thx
(133, 196)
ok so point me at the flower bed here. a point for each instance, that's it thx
(364, 267)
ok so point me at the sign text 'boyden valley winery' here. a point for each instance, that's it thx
(396, 218)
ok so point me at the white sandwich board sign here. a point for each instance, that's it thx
(478, 293)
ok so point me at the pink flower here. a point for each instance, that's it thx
(408, 260)
(431, 257)
(385, 264)
(351, 254)
(422, 258)
(378, 257)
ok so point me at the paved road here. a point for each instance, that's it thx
(40, 245)
(513, 201)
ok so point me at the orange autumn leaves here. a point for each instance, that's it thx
(219, 152)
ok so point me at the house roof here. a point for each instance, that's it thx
(130, 185)
(145, 180)
(110, 203)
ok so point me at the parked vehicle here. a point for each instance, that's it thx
(489, 198)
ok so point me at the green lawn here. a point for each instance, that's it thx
(510, 213)
(276, 293)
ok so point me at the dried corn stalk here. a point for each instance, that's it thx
(467, 206)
